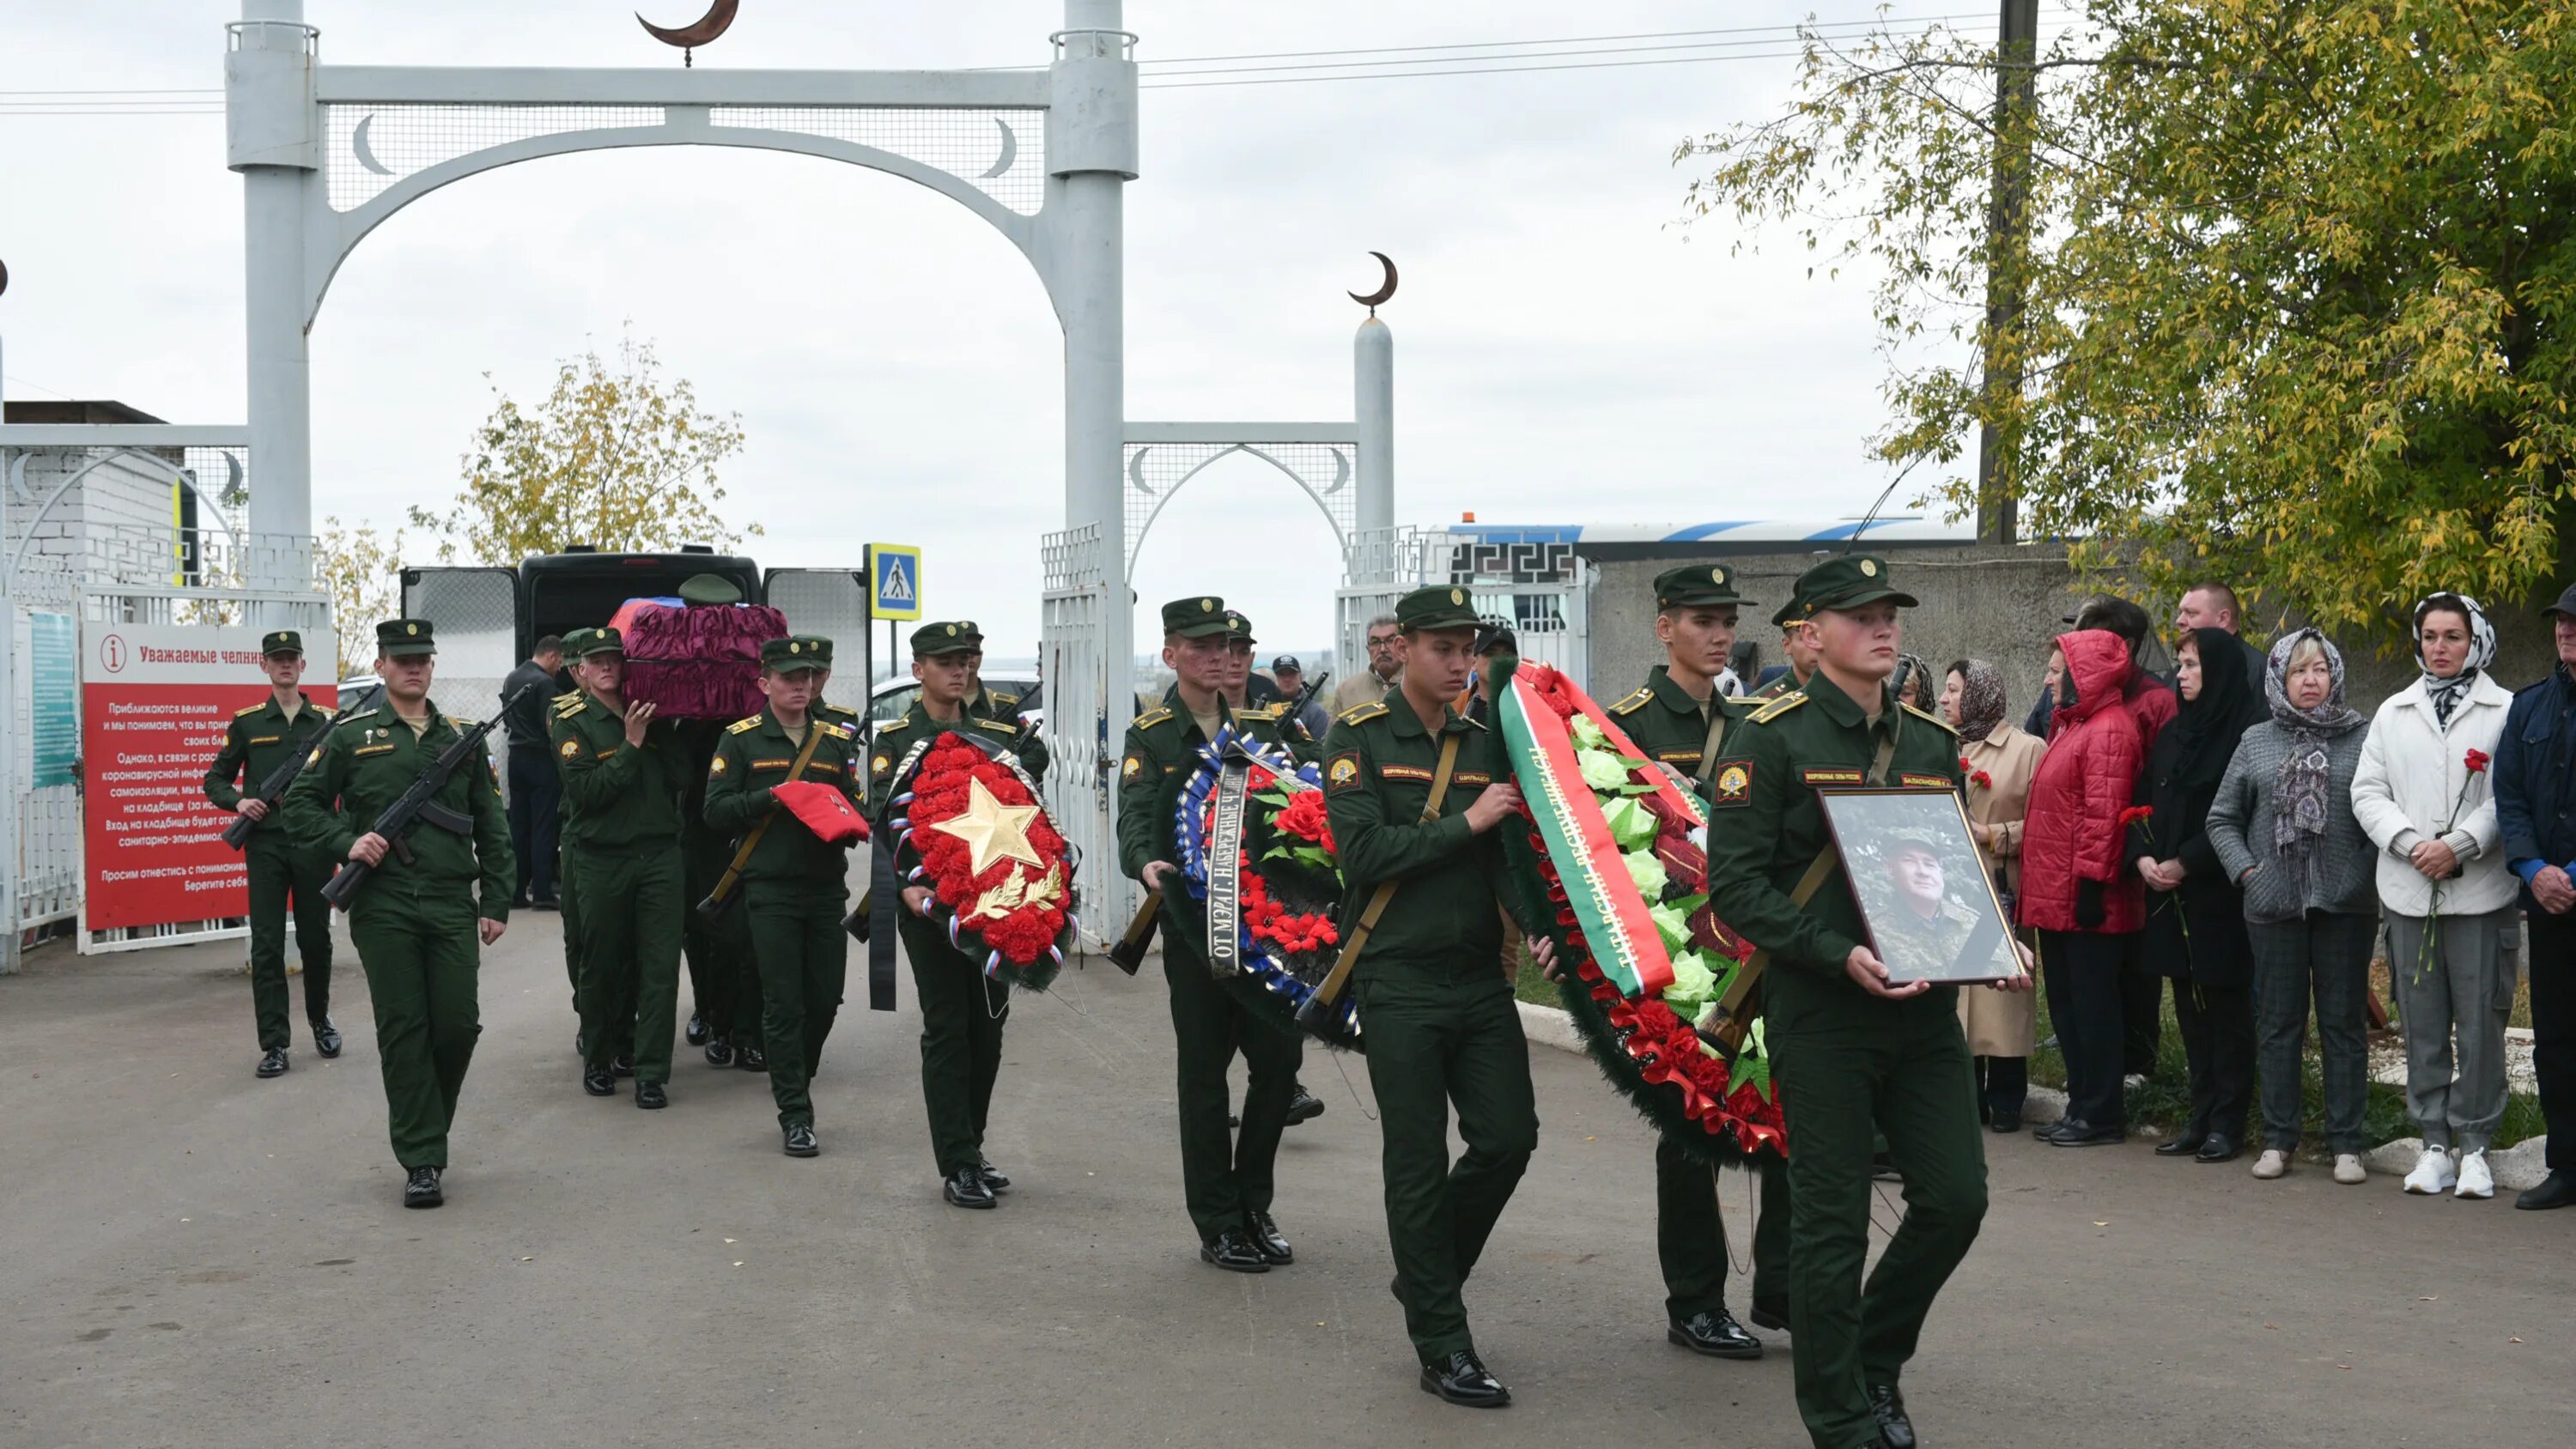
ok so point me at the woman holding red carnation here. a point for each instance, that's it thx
(1999, 760)
(2422, 794)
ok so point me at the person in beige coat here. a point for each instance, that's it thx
(1999, 761)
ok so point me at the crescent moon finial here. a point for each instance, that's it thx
(1378, 298)
(699, 32)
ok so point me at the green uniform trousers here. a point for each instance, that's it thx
(630, 954)
(418, 947)
(1436, 1037)
(276, 869)
(1690, 1235)
(724, 986)
(796, 937)
(962, 1012)
(1225, 1172)
(568, 907)
(1907, 1075)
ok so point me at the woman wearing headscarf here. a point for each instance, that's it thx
(2422, 794)
(1998, 761)
(1916, 682)
(2195, 915)
(2283, 827)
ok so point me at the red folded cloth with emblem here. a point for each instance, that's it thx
(700, 662)
(822, 809)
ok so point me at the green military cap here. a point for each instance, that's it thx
(282, 641)
(709, 589)
(1847, 583)
(1442, 606)
(796, 651)
(1696, 584)
(583, 643)
(1238, 627)
(952, 636)
(1199, 617)
(398, 638)
(1919, 835)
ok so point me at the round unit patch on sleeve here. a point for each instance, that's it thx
(571, 749)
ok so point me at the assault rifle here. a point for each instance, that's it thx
(419, 804)
(273, 789)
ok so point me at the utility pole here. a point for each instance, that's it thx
(2007, 251)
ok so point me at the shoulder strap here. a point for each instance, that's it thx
(1716, 734)
(751, 838)
(1331, 989)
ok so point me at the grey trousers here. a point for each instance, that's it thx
(2455, 979)
(2324, 955)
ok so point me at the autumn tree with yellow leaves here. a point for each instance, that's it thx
(2300, 282)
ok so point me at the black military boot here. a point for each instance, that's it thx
(421, 1191)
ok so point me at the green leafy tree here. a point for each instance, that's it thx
(2298, 282)
(361, 571)
(617, 456)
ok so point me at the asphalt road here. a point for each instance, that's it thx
(195, 1257)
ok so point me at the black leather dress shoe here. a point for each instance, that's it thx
(1267, 1240)
(1304, 1106)
(719, 1053)
(622, 1065)
(698, 1031)
(599, 1081)
(1232, 1250)
(751, 1059)
(421, 1191)
(2216, 1147)
(992, 1178)
(1882, 1168)
(272, 1063)
(2005, 1122)
(1894, 1429)
(546, 903)
(2183, 1146)
(2085, 1134)
(1770, 1313)
(1716, 1334)
(651, 1097)
(797, 1140)
(965, 1188)
(326, 1038)
(1463, 1380)
(2557, 1190)
(2053, 1130)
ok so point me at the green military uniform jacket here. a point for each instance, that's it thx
(616, 796)
(1785, 685)
(994, 704)
(886, 753)
(1766, 827)
(1664, 721)
(257, 741)
(1909, 943)
(1378, 767)
(365, 766)
(1160, 754)
(755, 754)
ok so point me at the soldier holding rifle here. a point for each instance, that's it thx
(262, 748)
(412, 893)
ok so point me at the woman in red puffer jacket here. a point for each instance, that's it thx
(2077, 887)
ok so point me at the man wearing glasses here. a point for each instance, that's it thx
(1385, 664)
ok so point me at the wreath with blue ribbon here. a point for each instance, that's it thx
(1277, 980)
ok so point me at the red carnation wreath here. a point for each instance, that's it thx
(963, 806)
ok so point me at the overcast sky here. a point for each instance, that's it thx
(1563, 352)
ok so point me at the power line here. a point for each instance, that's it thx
(1767, 30)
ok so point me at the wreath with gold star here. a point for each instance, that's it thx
(966, 823)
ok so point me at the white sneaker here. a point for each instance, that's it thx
(2273, 1163)
(2348, 1169)
(2475, 1180)
(2433, 1174)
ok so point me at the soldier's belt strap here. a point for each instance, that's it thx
(751, 838)
(1716, 736)
(1730, 1007)
(1331, 989)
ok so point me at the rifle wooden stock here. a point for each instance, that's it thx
(1129, 953)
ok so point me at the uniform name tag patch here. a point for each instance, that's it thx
(1678, 757)
(1404, 772)
(1471, 777)
(365, 750)
(1734, 783)
(1817, 775)
(771, 764)
(1924, 782)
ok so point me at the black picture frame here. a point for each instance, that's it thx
(1967, 938)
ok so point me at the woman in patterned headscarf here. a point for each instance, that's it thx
(2423, 795)
(1998, 760)
(2283, 827)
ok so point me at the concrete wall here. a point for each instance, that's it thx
(1998, 604)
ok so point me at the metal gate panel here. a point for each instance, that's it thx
(834, 604)
(1082, 784)
(1541, 590)
(476, 614)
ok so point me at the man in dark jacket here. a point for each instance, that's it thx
(2535, 794)
(2213, 606)
(534, 786)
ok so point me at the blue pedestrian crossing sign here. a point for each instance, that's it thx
(894, 581)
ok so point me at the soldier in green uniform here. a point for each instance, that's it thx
(259, 739)
(1927, 930)
(1437, 1011)
(724, 990)
(1226, 1176)
(422, 910)
(1851, 1054)
(1003, 706)
(962, 1009)
(794, 884)
(1680, 720)
(1798, 657)
(622, 784)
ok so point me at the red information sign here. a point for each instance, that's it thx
(155, 700)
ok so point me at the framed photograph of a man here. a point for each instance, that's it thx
(1931, 911)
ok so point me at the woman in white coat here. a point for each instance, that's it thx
(2422, 794)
